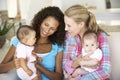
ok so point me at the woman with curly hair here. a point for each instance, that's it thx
(49, 26)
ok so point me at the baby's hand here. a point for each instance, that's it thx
(29, 72)
(39, 59)
(34, 53)
(17, 63)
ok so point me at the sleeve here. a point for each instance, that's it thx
(65, 58)
(60, 48)
(15, 41)
(97, 54)
(104, 71)
(21, 51)
(69, 48)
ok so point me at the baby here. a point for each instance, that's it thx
(91, 54)
(27, 69)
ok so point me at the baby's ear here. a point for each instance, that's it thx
(24, 40)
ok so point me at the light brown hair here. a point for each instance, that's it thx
(81, 14)
(89, 35)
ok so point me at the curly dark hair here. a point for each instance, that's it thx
(59, 36)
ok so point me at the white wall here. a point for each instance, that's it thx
(35, 6)
(115, 3)
(32, 7)
(114, 43)
(3, 5)
(102, 5)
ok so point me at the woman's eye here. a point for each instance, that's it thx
(46, 24)
(68, 25)
(53, 29)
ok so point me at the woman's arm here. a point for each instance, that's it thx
(8, 62)
(58, 74)
(91, 63)
(87, 62)
(69, 53)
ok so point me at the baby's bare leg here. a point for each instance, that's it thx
(38, 77)
(35, 78)
(79, 71)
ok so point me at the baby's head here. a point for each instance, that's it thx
(26, 35)
(90, 41)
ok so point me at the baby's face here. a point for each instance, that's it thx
(90, 45)
(31, 38)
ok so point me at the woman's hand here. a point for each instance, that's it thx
(94, 64)
(37, 65)
(17, 63)
(75, 62)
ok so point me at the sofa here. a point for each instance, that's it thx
(114, 43)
